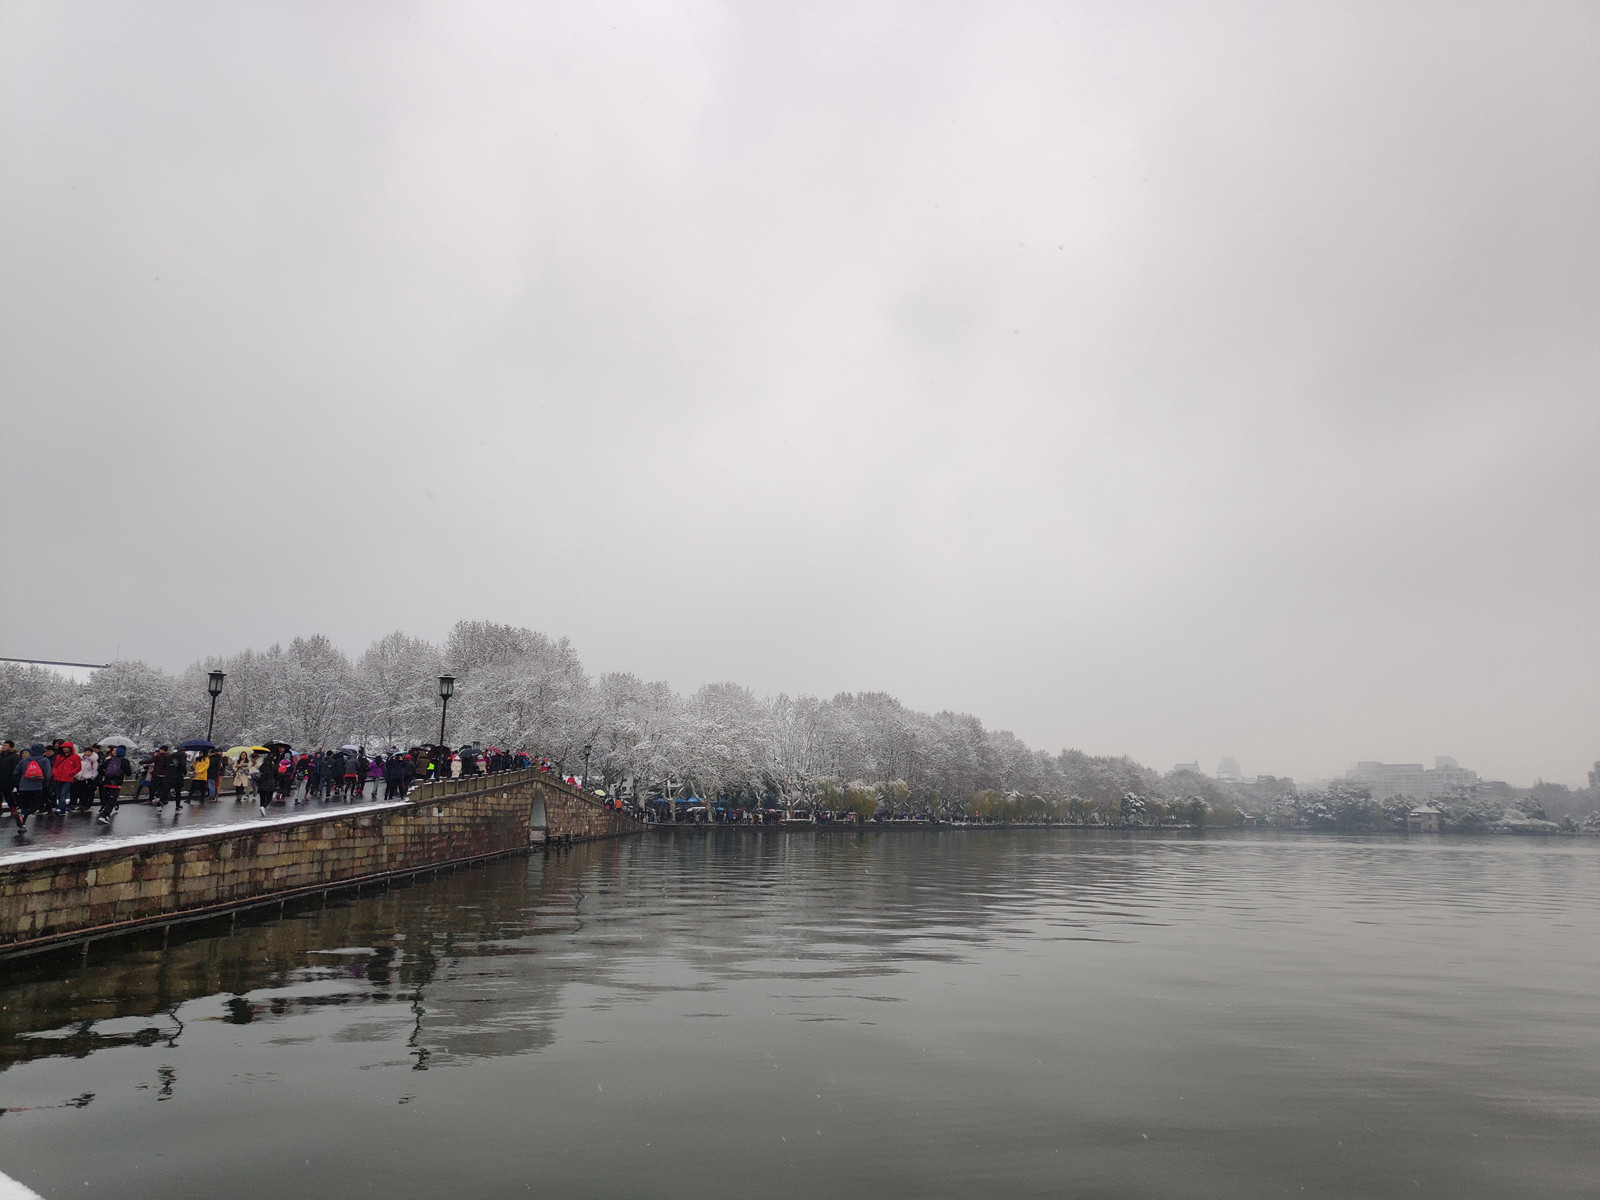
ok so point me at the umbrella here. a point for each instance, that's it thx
(118, 740)
(196, 744)
(235, 751)
(350, 746)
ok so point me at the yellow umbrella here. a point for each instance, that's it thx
(235, 751)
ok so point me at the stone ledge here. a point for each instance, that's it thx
(46, 900)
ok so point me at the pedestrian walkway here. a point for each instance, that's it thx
(145, 822)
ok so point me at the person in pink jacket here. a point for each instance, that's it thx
(83, 784)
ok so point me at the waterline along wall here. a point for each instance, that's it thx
(60, 898)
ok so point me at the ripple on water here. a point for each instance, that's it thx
(916, 1013)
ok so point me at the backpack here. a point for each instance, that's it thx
(33, 770)
(113, 769)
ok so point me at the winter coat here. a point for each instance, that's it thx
(177, 765)
(8, 767)
(67, 764)
(89, 767)
(35, 754)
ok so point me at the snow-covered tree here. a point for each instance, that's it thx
(723, 724)
(800, 746)
(35, 702)
(126, 699)
(395, 696)
(517, 688)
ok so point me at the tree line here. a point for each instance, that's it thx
(520, 689)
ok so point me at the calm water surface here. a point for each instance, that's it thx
(848, 1014)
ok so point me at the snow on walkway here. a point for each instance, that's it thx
(145, 824)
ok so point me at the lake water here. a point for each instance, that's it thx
(898, 1013)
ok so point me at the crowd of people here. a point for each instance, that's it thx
(279, 774)
(58, 780)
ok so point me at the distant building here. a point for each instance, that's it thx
(1594, 776)
(1228, 771)
(1412, 779)
(1194, 767)
(1425, 819)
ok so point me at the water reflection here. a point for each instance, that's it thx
(473, 964)
(376, 953)
(429, 962)
(907, 1014)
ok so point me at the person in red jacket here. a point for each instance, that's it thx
(63, 773)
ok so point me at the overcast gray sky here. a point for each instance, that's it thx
(1176, 381)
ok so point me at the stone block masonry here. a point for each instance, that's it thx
(58, 898)
(571, 813)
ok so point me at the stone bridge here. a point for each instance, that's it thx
(554, 810)
(60, 897)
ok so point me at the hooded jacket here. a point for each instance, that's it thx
(35, 754)
(67, 764)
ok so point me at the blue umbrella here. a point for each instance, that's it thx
(196, 744)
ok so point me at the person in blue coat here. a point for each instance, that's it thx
(394, 776)
(33, 785)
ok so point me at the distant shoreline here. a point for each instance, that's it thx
(803, 827)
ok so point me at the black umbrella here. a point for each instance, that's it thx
(196, 744)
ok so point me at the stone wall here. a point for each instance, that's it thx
(568, 812)
(94, 892)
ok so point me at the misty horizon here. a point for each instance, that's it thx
(1220, 766)
(1173, 383)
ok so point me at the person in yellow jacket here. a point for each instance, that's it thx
(197, 777)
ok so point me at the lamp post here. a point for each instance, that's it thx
(447, 688)
(585, 783)
(214, 686)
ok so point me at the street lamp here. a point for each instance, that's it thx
(586, 750)
(214, 686)
(447, 688)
